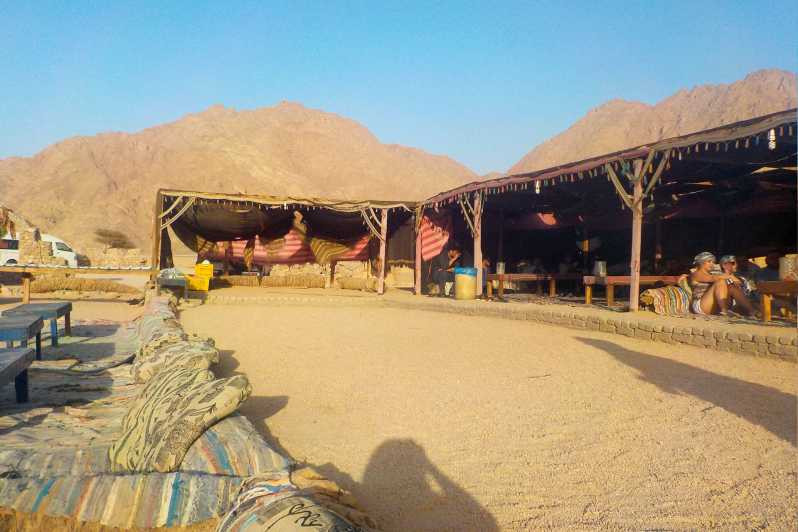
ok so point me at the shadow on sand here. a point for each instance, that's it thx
(412, 491)
(767, 407)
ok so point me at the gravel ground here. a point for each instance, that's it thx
(442, 422)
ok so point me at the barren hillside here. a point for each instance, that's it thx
(620, 124)
(109, 180)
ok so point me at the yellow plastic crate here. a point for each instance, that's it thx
(203, 270)
(198, 283)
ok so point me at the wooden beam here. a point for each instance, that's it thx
(478, 240)
(637, 233)
(155, 257)
(383, 249)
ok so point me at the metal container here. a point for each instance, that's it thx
(600, 268)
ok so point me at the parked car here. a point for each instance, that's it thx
(9, 250)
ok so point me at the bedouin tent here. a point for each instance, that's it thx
(330, 229)
(741, 169)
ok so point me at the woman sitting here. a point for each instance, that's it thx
(712, 292)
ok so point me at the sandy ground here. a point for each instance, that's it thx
(442, 422)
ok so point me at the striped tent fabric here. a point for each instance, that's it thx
(435, 232)
(293, 249)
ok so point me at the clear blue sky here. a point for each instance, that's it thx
(482, 82)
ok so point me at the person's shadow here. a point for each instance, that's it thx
(403, 490)
(770, 408)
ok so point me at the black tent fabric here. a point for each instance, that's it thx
(203, 224)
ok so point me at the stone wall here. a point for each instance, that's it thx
(100, 257)
(32, 250)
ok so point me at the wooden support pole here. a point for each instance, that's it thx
(588, 294)
(383, 249)
(26, 288)
(658, 245)
(478, 241)
(419, 265)
(767, 307)
(552, 287)
(637, 232)
(610, 295)
(155, 257)
(500, 250)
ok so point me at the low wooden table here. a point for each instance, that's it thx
(768, 289)
(611, 281)
(14, 365)
(47, 311)
(552, 278)
(21, 329)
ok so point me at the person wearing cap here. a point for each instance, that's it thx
(728, 263)
(711, 292)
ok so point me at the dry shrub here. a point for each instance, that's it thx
(54, 284)
(224, 281)
(305, 280)
(113, 239)
(358, 283)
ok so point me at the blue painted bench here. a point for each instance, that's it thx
(14, 366)
(21, 329)
(47, 311)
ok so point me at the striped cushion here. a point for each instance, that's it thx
(230, 447)
(668, 300)
(194, 353)
(169, 419)
(124, 501)
(233, 447)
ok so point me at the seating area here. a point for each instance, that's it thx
(147, 435)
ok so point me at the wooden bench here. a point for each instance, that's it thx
(14, 366)
(21, 329)
(611, 281)
(552, 278)
(768, 289)
(47, 311)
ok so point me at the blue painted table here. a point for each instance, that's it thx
(46, 311)
(21, 329)
(14, 366)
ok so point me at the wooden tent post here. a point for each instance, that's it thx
(500, 250)
(478, 240)
(658, 245)
(383, 248)
(637, 230)
(155, 257)
(418, 264)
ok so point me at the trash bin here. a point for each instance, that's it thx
(465, 283)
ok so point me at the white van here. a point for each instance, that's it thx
(9, 250)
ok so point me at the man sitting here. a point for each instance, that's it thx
(771, 271)
(444, 269)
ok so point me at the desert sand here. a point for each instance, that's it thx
(442, 422)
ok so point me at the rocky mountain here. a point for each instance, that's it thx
(76, 186)
(620, 124)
